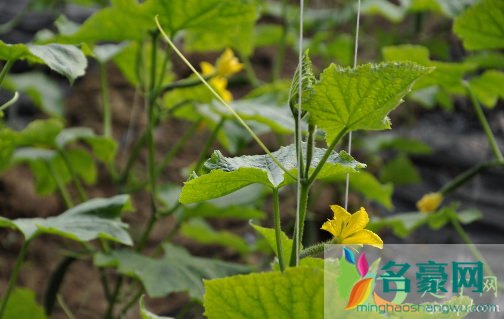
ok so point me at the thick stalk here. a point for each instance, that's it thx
(278, 229)
(223, 102)
(324, 158)
(5, 70)
(299, 143)
(303, 200)
(468, 241)
(13, 277)
(150, 128)
(279, 59)
(61, 186)
(78, 184)
(466, 177)
(107, 112)
(310, 147)
(484, 123)
(203, 155)
(185, 83)
(315, 250)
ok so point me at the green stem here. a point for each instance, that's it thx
(146, 232)
(328, 152)
(106, 288)
(277, 66)
(13, 277)
(315, 250)
(484, 123)
(78, 185)
(113, 298)
(9, 103)
(203, 155)
(107, 112)
(186, 308)
(150, 128)
(248, 68)
(168, 238)
(61, 186)
(278, 229)
(466, 177)
(303, 200)
(131, 160)
(298, 145)
(131, 303)
(185, 83)
(12, 23)
(468, 241)
(5, 69)
(177, 147)
(310, 147)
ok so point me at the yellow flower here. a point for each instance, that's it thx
(429, 202)
(349, 228)
(227, 64)
(219, 83)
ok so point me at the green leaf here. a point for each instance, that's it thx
(341, 49)
(449, 8)
(106, 52)
(400, 170)
(208, 15)
(242, 204)
(297, 293)
(147, 314)
(103, 147)
(487, 60)
(488, 87)
(278, 118)
(384, 8)
(41, 89)
(306, 82)
(96, 218)
(360, 98)
(266, 35)
(40, 133)
(22, 304)
(270, 236)
(178, 271)
(480, 27)
(402, 224)
(202, 232)
(8, 141)
(367, 184)
(469, 216)
(447, 75)
(381, 142)
(226, 175)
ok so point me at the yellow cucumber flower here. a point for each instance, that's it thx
(349, 228)
(226, 64)
(219, 83)
(429, 202)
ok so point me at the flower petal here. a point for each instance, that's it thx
(206, 68)
(356, 222)
(340, 213)
(364, 237)
(332, 226)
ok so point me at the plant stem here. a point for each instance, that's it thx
(78, 185)
(134, 154)
(9, 103)
(472, 247)
(168, 238)
(303, 200)
(208, 145)
(278, 229)
(484, 123)
(328, 152)
(223, 102)
(299, 143)
(132, 302)
(5, 69)
(248, 68)
(315, 250)
(186, 308)
(107, 112)
(13, 277)
(277, 65)
(309, 150)
(150, 128)
(65, 308)
(60, 185)
(113, 298)
(466, 177)
(185, 83)
(146, 232)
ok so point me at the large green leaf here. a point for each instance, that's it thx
(481, 26)
(177, 271)
(202, 232)
(488, 87)
(400, 170)
(360, 98)
(487, 60)
(41, 133)
(226, 175)
(367, 184)
(22, 304)
(96, 218)
(306, 82)
(270, 236)
(146, 314)
(297, 293)
(447, 75)
(43, 91)
(67, 60)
